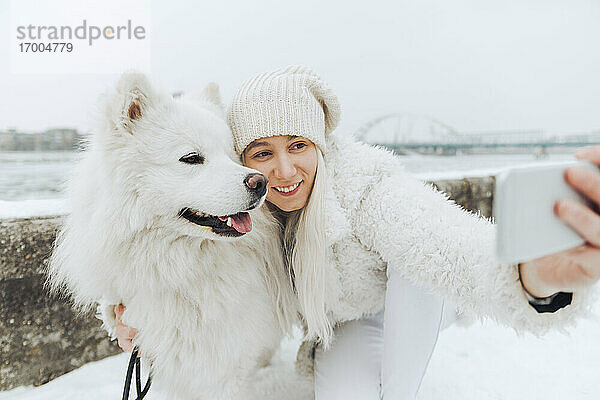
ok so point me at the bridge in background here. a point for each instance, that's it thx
(405, 133)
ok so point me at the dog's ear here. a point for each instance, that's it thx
(209, 97)
(211, 94)
(134, 97)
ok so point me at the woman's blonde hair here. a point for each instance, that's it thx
(307, 256)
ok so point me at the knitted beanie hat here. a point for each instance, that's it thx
(292, 100)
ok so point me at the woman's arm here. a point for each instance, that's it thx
(105, 312)
(436, 244)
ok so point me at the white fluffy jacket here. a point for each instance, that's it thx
(380, 217)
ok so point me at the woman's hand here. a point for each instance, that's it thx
(580, 266)
(125, 334)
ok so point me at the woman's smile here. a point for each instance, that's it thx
(287, 190)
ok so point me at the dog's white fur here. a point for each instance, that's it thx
(210, 310)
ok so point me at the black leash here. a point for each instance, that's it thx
(134, 361)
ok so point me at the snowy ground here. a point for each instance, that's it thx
(32, 208)
(492, 362)
(479, 363)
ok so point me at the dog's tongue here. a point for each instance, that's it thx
(241, 222)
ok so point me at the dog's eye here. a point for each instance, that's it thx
(192, 158)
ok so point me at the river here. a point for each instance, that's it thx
(42, 175)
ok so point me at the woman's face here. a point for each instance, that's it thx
(290, 164)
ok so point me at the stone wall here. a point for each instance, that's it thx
(474, 194)
(42, 338)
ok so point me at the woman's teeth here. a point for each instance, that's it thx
(286, 189)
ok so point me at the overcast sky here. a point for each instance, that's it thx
(472, 64)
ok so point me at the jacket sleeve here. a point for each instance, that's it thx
(436, 244)
(105, 313)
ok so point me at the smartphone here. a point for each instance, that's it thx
(524, 201)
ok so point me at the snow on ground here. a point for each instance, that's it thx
(97, 380)
(492, 362)
(477, 363)
(32, 208)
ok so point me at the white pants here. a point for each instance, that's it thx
(383, 356)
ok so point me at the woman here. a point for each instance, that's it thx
(366, 244)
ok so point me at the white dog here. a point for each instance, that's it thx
(161, 222)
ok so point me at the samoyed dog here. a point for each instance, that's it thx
(165, 220)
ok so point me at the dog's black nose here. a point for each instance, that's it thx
(257, 183)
